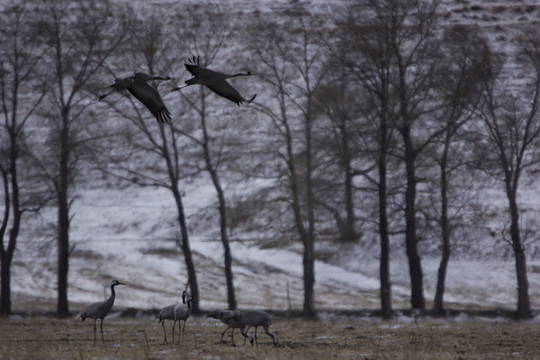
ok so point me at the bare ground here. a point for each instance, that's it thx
(50, 338)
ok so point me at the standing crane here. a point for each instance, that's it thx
(170, 312)
(99, 310)
(166, 313)
(138, 87)
(181, 313)
(214, 80)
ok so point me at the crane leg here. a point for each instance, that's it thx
(274, 337)
(246, 335)
(164, 332)
(179, 331)
(183, 329)
(256, 341)
(101, 328)
(173, 326)
(249, 327)
(95, 329)
(223, 333)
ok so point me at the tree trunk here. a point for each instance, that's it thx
(438, 304)
(186, 250)
(523, 305)
(231, 297)
(6, 254)
(348, 233)
(415, 266)
(63, 256)
(309, 244)
(309, 278)
(63, 225)
(5, 278)
(6, 257)
(384, 269)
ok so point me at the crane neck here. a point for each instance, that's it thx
(247, 73)
(113, 293)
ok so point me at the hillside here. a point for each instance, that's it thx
(128, 233)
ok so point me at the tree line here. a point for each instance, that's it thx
(378, 120)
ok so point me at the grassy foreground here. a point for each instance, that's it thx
(49, 338)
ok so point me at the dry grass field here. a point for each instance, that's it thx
(49, 338)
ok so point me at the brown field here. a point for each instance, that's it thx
(50, 338)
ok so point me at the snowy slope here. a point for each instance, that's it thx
(129, 233)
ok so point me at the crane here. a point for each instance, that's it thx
(166, 313)
(214, 80)
(231, 318)
(181, 313)
(174, 312)
(138, 87)
(99, 310)
(255, 318)
(244, 319)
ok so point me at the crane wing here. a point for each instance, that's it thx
(224, 89)
(150, 98)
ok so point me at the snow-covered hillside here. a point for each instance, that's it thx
(128, 233)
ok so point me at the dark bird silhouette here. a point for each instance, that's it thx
(214, 80)
(99, 310)
(138, 87)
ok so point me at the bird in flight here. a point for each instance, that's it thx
(138, 87)
(214, 80)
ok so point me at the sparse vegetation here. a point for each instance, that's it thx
(46, 338)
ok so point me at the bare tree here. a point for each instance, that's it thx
(365, 50)
(459, 85)
(293, 68)
(512, 132)
(81, 35)
(410, 39)
(21, 52)
(336, 138)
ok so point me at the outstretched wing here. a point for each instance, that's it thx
(150, 98)
(224, 89)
